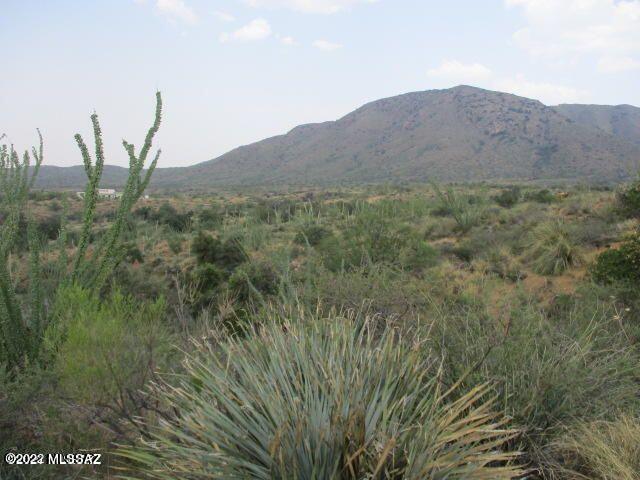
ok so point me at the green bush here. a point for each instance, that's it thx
(508, 198)
(467, 210)
(629, 200)
(105, 350)
(547, 370)
(312, 234)
(338, 398)
(254, 279)
(540, 196)
(210, 217)
(168, 215)
(619, 265)
(227, 254)
(207, 277)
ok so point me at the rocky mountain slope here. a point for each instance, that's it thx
(459, 134)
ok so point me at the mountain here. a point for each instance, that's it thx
(459, 134)
(620, 120)
(75, 177)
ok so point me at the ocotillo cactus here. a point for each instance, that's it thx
(19, 330)
(106, 255)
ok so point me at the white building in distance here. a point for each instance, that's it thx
(103, 193)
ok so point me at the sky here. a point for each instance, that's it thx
(236, 71)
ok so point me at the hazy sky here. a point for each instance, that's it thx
(236, 71)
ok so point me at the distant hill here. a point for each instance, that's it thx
(75, 177)
(459, 134)
(619, 120)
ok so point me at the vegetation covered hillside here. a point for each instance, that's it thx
(620, 120)
(459, 134)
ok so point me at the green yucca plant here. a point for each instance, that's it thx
(552, 248)
(321, 398)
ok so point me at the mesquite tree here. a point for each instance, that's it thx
(23, 320)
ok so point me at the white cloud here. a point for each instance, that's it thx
(309, 6)
(454, 72)
(326, 46)
(177, 9)
(458, 72)
(224, 16)
(547, 93)
(258, 29)
(617, 64)
(288, 41)
(561, 28)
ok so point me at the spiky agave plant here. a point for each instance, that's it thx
(321, 398)
(552, 248)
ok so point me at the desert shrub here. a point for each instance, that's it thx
(145, 212)
(540, 196)
(382, 289)
(580, 364)
(601, 450)
(327, 398)
(498, 261)
(106, 350)
(102, 353)
(508, 198)
(168, 215)
(439, 228)
(312, 234)
(621, 264)
(55, 206)
(21, 425)
(254, 279)
(417, 255)
(175, 244)
(210, 218)
(373, 238)
(132, 253)
(552, 248)
(207, 277)
(275, 211)
(140, 282)
(467, 210)
(227, 254)
(596, 232)
(628, 200)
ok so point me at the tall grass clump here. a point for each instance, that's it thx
(602, 450)
(337, 397)
(553, 249)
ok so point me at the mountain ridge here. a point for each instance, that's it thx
(459, 134)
